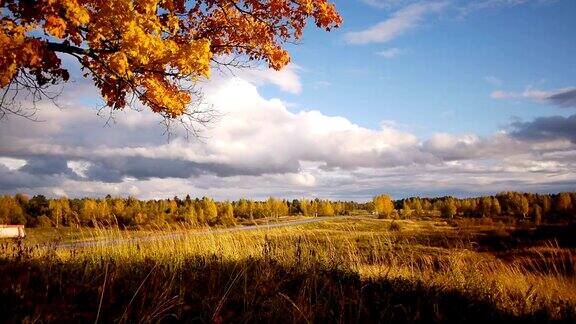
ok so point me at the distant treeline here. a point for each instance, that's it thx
(40, 211)
(523, 206)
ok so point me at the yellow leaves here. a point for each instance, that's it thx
(164, 97)
(8, 62)
(9, 70)
(118, 62)
(76, 14)
(173, 24)
(278, 57)
(149, 7)
(55, 26)
(194, 58)
(144, 47)
(95, 39)
(150, 47)
(15, 50)
(307, 6)
(326, 15)
(31, 51)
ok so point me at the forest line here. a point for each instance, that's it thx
(40, 211)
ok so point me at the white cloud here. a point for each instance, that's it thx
(390, 53)
(79, 167)
(527, 94)
(286, 79)
(272, 134)
(564, 97)
(399, 23)
(260, 148)
(11, 163)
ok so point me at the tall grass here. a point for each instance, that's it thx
(338, 271)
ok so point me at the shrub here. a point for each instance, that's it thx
(44, 221)
(395, 227)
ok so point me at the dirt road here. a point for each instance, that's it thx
(76, 245)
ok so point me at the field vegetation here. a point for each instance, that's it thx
(345, 269)
(131, 213)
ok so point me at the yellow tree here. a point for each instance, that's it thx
(305, 207)
(87, 212)
(241, 209)
(563, 202)
(448, 208)
(150, 50)
(59, 210)
(188, 214)
(226, 214)
(209, 210)
(417, 205)
(496, 210)
(485, 206)
(383, 205)
(280, 208)
(117, 207)
(406, 210)
(10, 211)
(325, 208)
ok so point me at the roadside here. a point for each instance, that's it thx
(80, 238)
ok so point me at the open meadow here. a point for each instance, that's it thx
(288, 161)
(339, 269)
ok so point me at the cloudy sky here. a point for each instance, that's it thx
(408, 97)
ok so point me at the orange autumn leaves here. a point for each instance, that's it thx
(152, 50)
(18, 51)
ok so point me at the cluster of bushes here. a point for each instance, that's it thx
(128, 212)
(525, 206)
(40, 211)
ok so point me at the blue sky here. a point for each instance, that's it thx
(445, 68)
(408, 97)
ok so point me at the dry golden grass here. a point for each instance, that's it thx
(428, 255)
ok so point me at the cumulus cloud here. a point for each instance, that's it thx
(259, 148)
(546, 129)
(449, 147)
(11, 163)
(399, 23)
(565, 97)
(286, 79)
(12, 181)
(254, 137)
(47, 165)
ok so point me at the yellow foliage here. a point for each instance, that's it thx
(55, 26)
(193, 57)
(76, 14)
(148, 47)
(15, 50)
(165, 97)
(118, 62)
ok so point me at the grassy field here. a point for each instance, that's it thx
(344, 270)
(50, 235)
